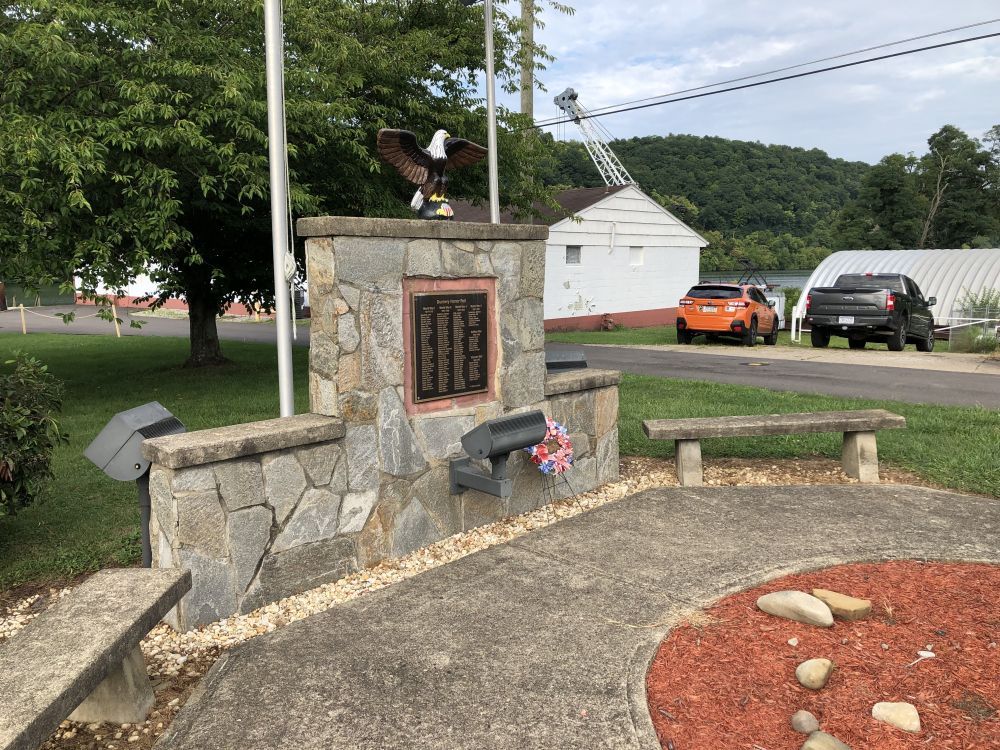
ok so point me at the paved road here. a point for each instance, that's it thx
(10, 322)
(543, 643)
(854, 381)
(861, 381)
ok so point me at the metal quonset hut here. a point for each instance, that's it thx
(945, 274)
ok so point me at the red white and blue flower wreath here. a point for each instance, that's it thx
(554, 455)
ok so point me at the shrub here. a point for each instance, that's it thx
(30, 397)
(792, 296)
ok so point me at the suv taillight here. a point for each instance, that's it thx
(890, 301)
(741, 303)
(809, 301)
(686, 302)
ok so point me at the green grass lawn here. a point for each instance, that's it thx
(85, 520)
(661, 335)
(952, 446)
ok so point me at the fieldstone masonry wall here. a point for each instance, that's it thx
(365, 476)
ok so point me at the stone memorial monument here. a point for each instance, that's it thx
(421, 330)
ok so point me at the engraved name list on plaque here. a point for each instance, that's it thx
(449, 347)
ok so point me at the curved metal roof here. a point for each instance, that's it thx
(945, 274)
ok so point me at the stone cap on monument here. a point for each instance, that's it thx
(354, 226)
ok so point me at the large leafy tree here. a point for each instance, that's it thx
(949, 197)
(133, 133)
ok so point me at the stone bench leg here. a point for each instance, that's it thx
(860, 456)
(688, 458)
(124, 697)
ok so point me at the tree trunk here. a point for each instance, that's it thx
(203, 312)
(939, 189)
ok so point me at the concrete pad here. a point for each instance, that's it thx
(544, 642)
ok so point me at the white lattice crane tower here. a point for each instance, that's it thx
(595, 139)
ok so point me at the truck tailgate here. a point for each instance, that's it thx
(847, 301)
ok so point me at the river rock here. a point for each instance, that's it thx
(901, 715)
(804, 722)
(843, 606)
(824, 741)
(814, 673)
(798, 606)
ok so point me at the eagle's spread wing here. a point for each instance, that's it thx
(399, 148)
(462, 153)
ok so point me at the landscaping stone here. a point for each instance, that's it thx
(247, 532)
(804, 722)
(900, 715)
(241, 483)
(382, 344)
(195, 479)
(458, 261)
(347, 330)
(398, 449)
(361, 445)
(300, 568)
(442, 436)
(315, 518)
(284, 483)
(355, 509)
(368, 261)
(523, 382)
(423, 258)
(213, 589)
(814, 673)
(201, 523)
(414, 529)
(320, 463)
(843, 606)
(358, 406)
(824, 741)
(798, 606)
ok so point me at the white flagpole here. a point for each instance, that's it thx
(491, 107)
(278, 155)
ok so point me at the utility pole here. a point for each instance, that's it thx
(528, 59)
(278, 156)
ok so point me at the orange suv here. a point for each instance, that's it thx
(739, 310)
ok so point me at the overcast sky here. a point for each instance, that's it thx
(619, 50)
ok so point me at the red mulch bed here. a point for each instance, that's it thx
(730, 682)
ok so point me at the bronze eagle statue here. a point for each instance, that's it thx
(426, 166)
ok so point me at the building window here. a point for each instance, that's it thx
(635, 256)
(572, 255)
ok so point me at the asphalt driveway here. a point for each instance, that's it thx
(779, 374)
(765, 367)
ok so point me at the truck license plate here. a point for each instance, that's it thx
(849, 319)
(708, 308)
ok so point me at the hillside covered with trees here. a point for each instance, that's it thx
(788, 208)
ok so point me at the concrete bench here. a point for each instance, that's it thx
(859, 455)
(81, 658)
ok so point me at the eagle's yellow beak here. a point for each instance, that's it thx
(447, 134)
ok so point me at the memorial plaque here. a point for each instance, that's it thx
(450, 344)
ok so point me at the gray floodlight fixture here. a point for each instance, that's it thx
(493, 441)
(117, 451)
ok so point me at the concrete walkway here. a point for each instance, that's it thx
(544, 642)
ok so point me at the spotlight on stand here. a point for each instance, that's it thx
(117, 451)
(494, 440)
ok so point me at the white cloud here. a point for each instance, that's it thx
(617, 52)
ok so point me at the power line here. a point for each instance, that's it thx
(793, 76)
(794, 67)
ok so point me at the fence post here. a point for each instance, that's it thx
(24, 323)
(114, 317)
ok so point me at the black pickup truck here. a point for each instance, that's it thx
(862, 307)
